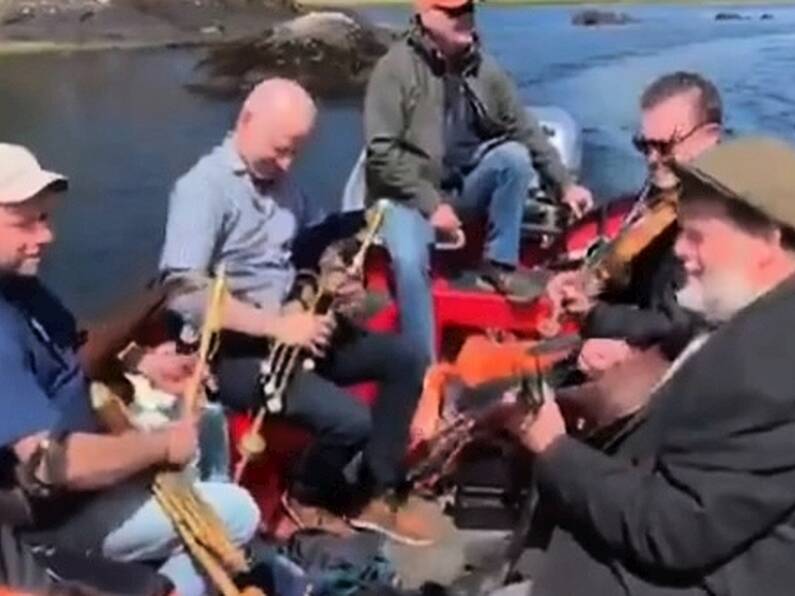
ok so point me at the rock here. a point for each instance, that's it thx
(330, 53)
(730, 16)
(592, 17)
(25, 13)
(212, 30)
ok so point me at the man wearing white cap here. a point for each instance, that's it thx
(85, 490)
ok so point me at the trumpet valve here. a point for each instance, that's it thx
(274, 404)
(270, 387)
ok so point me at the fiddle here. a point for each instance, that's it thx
(570, 293)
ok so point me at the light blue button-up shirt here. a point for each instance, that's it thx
(217, 213)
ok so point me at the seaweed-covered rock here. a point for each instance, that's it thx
(593, 17)
(729, 16)
(330, 53)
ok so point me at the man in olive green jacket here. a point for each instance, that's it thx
(446, 136)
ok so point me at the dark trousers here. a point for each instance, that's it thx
(343, 425)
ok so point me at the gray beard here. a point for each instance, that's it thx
(717, 297)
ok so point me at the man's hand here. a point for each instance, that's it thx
(598, 355)
(349, 299)
(578, 198)
(305, 329)
(423, 426)
(445, 220)
(538, 431)
(567, 292)
(182, 441)
(165, 369)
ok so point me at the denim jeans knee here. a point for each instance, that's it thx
(408, 236)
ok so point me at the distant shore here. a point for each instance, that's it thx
(739, 4)
(76, 25)
(31, 26)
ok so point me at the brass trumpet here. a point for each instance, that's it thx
(278, 368)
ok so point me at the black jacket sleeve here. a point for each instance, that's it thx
(722, 476)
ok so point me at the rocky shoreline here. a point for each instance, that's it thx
(331, 52)
(73, 24)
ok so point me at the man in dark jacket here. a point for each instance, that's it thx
(697, 496)
(681, 117)
(447, 134)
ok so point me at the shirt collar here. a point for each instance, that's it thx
(235, 161)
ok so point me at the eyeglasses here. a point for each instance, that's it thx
(664, 147)
(458, 11)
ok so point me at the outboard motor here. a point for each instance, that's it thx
(543, 217)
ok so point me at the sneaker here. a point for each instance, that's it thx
(402, 523)
(521, 285)
(315, 518)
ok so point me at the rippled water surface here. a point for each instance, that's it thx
(123, 127)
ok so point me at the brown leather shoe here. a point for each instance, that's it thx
(315, 518)
(520, 285)
(402, 523)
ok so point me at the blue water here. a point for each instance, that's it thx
(123, 127)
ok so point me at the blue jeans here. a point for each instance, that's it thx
(148, 535)
(214, 457)
(497, 185)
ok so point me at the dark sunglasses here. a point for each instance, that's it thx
(663, 147)
(458, 11)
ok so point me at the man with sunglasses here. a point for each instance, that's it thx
(681, 117)
(446, 135)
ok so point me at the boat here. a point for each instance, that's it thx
(459, 303)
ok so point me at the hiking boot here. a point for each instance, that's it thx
(401, 523)
(517, 285)
(315, 518)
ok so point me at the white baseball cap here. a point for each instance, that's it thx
(21, 176)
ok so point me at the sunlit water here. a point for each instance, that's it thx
(123, 127)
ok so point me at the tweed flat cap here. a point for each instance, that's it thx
(757, 171)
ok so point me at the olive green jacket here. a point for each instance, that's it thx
(404, 116)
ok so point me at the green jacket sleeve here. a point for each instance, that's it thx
(527, 130)
(394, 167)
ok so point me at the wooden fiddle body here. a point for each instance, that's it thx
(609, 265)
